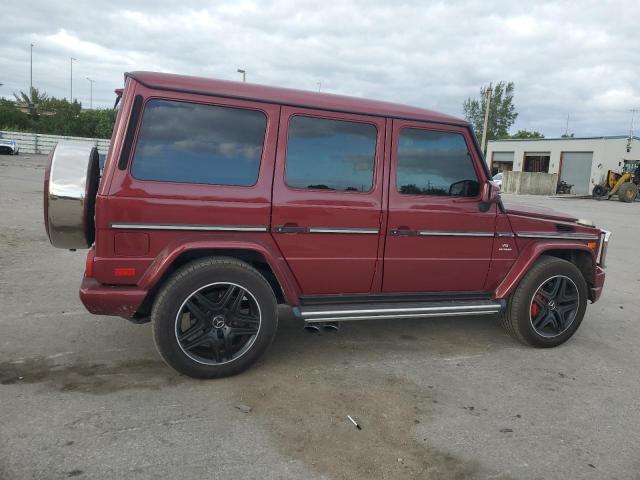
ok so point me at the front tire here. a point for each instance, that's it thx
(628, 192)
(548, 305)
(214, 318)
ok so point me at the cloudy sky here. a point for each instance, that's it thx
(576, 58)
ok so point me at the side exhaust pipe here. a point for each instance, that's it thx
(312, 327)
(316, 327)
(331, 327)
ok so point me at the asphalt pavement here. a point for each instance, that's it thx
(85, 396)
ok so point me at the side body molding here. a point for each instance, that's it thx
(527, 258)
(259, 243)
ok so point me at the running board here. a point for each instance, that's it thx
(370, 311)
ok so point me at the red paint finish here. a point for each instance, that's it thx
(290, 97)
(505, 252)
(527, 258)
(131, 244)
(126, 264)
(262, 243)
(328, 262)
(415, 263)
(102, 299)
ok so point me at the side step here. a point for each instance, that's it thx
(369, 311)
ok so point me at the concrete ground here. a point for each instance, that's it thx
(88, 397)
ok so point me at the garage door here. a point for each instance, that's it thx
(576, 171)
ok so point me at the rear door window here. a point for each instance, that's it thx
(196, 143)
(435, 163)
(326, 154)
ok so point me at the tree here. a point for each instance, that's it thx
(11, 118)
(502, 112)
(32, 102)
(526, 134)
(40, 113)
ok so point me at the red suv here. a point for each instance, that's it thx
(220, 200)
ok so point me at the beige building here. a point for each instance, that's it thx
(581, 162)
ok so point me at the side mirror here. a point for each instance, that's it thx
(490, 195)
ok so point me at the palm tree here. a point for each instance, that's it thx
(31, 102)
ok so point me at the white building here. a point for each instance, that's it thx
(581, 162)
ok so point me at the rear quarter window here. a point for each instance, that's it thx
(194, 143)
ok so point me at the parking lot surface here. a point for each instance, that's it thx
(87, 397)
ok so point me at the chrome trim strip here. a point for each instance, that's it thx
(505, 234)
(557, 236)
(405, 315)
(438, 233)
(366, 231)
(604, 246)
(209, 228)
(409, 311)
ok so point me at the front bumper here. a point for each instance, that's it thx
(598, 285)
(102, 299)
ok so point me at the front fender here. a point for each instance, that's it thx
(528, 257)
(261, 243)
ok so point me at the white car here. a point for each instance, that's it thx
(497, 178)
(10, 147)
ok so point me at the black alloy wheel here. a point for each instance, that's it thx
(217, 323)
(554, 306)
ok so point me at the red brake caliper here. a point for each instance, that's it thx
(535, 309)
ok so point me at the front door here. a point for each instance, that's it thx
(327, 198)
(438, 240)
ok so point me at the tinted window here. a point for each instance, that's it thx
(187, 142)
(435, 163)
(330, 154)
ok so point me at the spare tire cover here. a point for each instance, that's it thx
(70, 187)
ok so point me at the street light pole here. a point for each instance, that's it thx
(90, 93)
(31, 71)
(244, 75)
(71, 81)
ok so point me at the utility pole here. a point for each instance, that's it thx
(566, 128)
(90, 93)
(71, 81)
(486, 119)
(244, 75)
(319, 86)
(633, 114)
(31, 72)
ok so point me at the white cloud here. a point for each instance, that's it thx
(564, 57)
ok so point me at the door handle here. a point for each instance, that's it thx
(290, 228)
(402, 231)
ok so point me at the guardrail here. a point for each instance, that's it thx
(43, 144)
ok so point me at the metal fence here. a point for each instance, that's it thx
(37, 143)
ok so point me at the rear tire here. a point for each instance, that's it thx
(599, 191)
(214, 318)
(627, 192)
(533, 313)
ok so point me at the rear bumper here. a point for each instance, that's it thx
(598, 285)
(102, 299)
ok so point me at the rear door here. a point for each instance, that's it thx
(438, 240)
(327, 198)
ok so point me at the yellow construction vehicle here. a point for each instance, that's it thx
(625, 184)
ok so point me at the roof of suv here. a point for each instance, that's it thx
(286, 96)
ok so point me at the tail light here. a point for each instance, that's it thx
(88, 266)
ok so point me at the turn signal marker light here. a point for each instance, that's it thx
(124, 272)
(593, 245)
